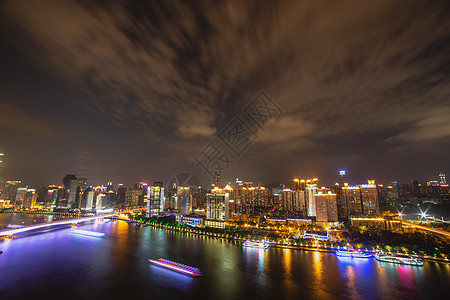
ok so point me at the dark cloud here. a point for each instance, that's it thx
(12, 117)
(370, 73)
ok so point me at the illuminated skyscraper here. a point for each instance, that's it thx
(442, 180)
(326, 207)
(312, 187)
(29, 200)
(217, 205)
(11, 187)
(351, 200)
(299, 202)
(100, 202)
(342, 176)
(89, 199)
(137, 197)
(369, 199)
(20, 196)
(287, 200)
(155, 199)
(70, 191)
(184, 200)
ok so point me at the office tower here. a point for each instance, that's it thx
(351, 200)
(369, 199)
(248, 198)
(287, 201)
(311, 189)
(70, 191)
(11, 187)
(121, 194)
(326, 206)
(442, 180)
(216, 179)
(217, 205)
(52, 195)
(137, 197)
(296, 184)
(155, 199)
(89, 199)
(342, 176)
(20, 195)
(199, 198)
(299, 202)
(100, 202)
(29, 199)
(184, 199)
(109, 187)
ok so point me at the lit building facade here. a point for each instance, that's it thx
(184, 200)
(351, 200)
(217, 205)
(369, 199)
(155, 199)
(326, 206)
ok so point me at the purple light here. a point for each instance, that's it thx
(176, 268)
(63, 222)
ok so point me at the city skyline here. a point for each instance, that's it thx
(122, 93)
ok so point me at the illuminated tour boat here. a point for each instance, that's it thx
(353, 253)
(171, 265)
(399, 259)
(253, 244)
(87, 232)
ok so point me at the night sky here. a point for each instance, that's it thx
(125, 91)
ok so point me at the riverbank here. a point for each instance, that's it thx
(273, 244)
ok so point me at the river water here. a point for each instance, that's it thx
(56, 264)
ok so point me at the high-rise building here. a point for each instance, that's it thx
(155, 199)
(343, 179)
(121, 194)
(442, 180)
(89, 199)
(287, 200)
(369, 199)
(326, 206)
(248, 198)
(312, 187)
(100, 202)
(29, 199)
(20, 196)
(217, 205)
(184, 200)
(10, 192)
(351, 200)
(110, 187)
(137, 197)
(70, 191)
(299, 202)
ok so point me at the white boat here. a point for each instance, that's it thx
(353, 253)
(255, 244)
(399, 259)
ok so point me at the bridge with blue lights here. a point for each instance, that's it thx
(13, 231)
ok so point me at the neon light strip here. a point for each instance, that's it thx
(87, 232)
(165, 265)
(63, 222)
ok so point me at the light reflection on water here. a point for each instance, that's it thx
(116, 266)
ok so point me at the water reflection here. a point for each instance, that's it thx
(116, 266)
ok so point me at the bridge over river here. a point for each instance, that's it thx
(14, 231)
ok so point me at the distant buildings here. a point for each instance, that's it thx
(302, 201)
